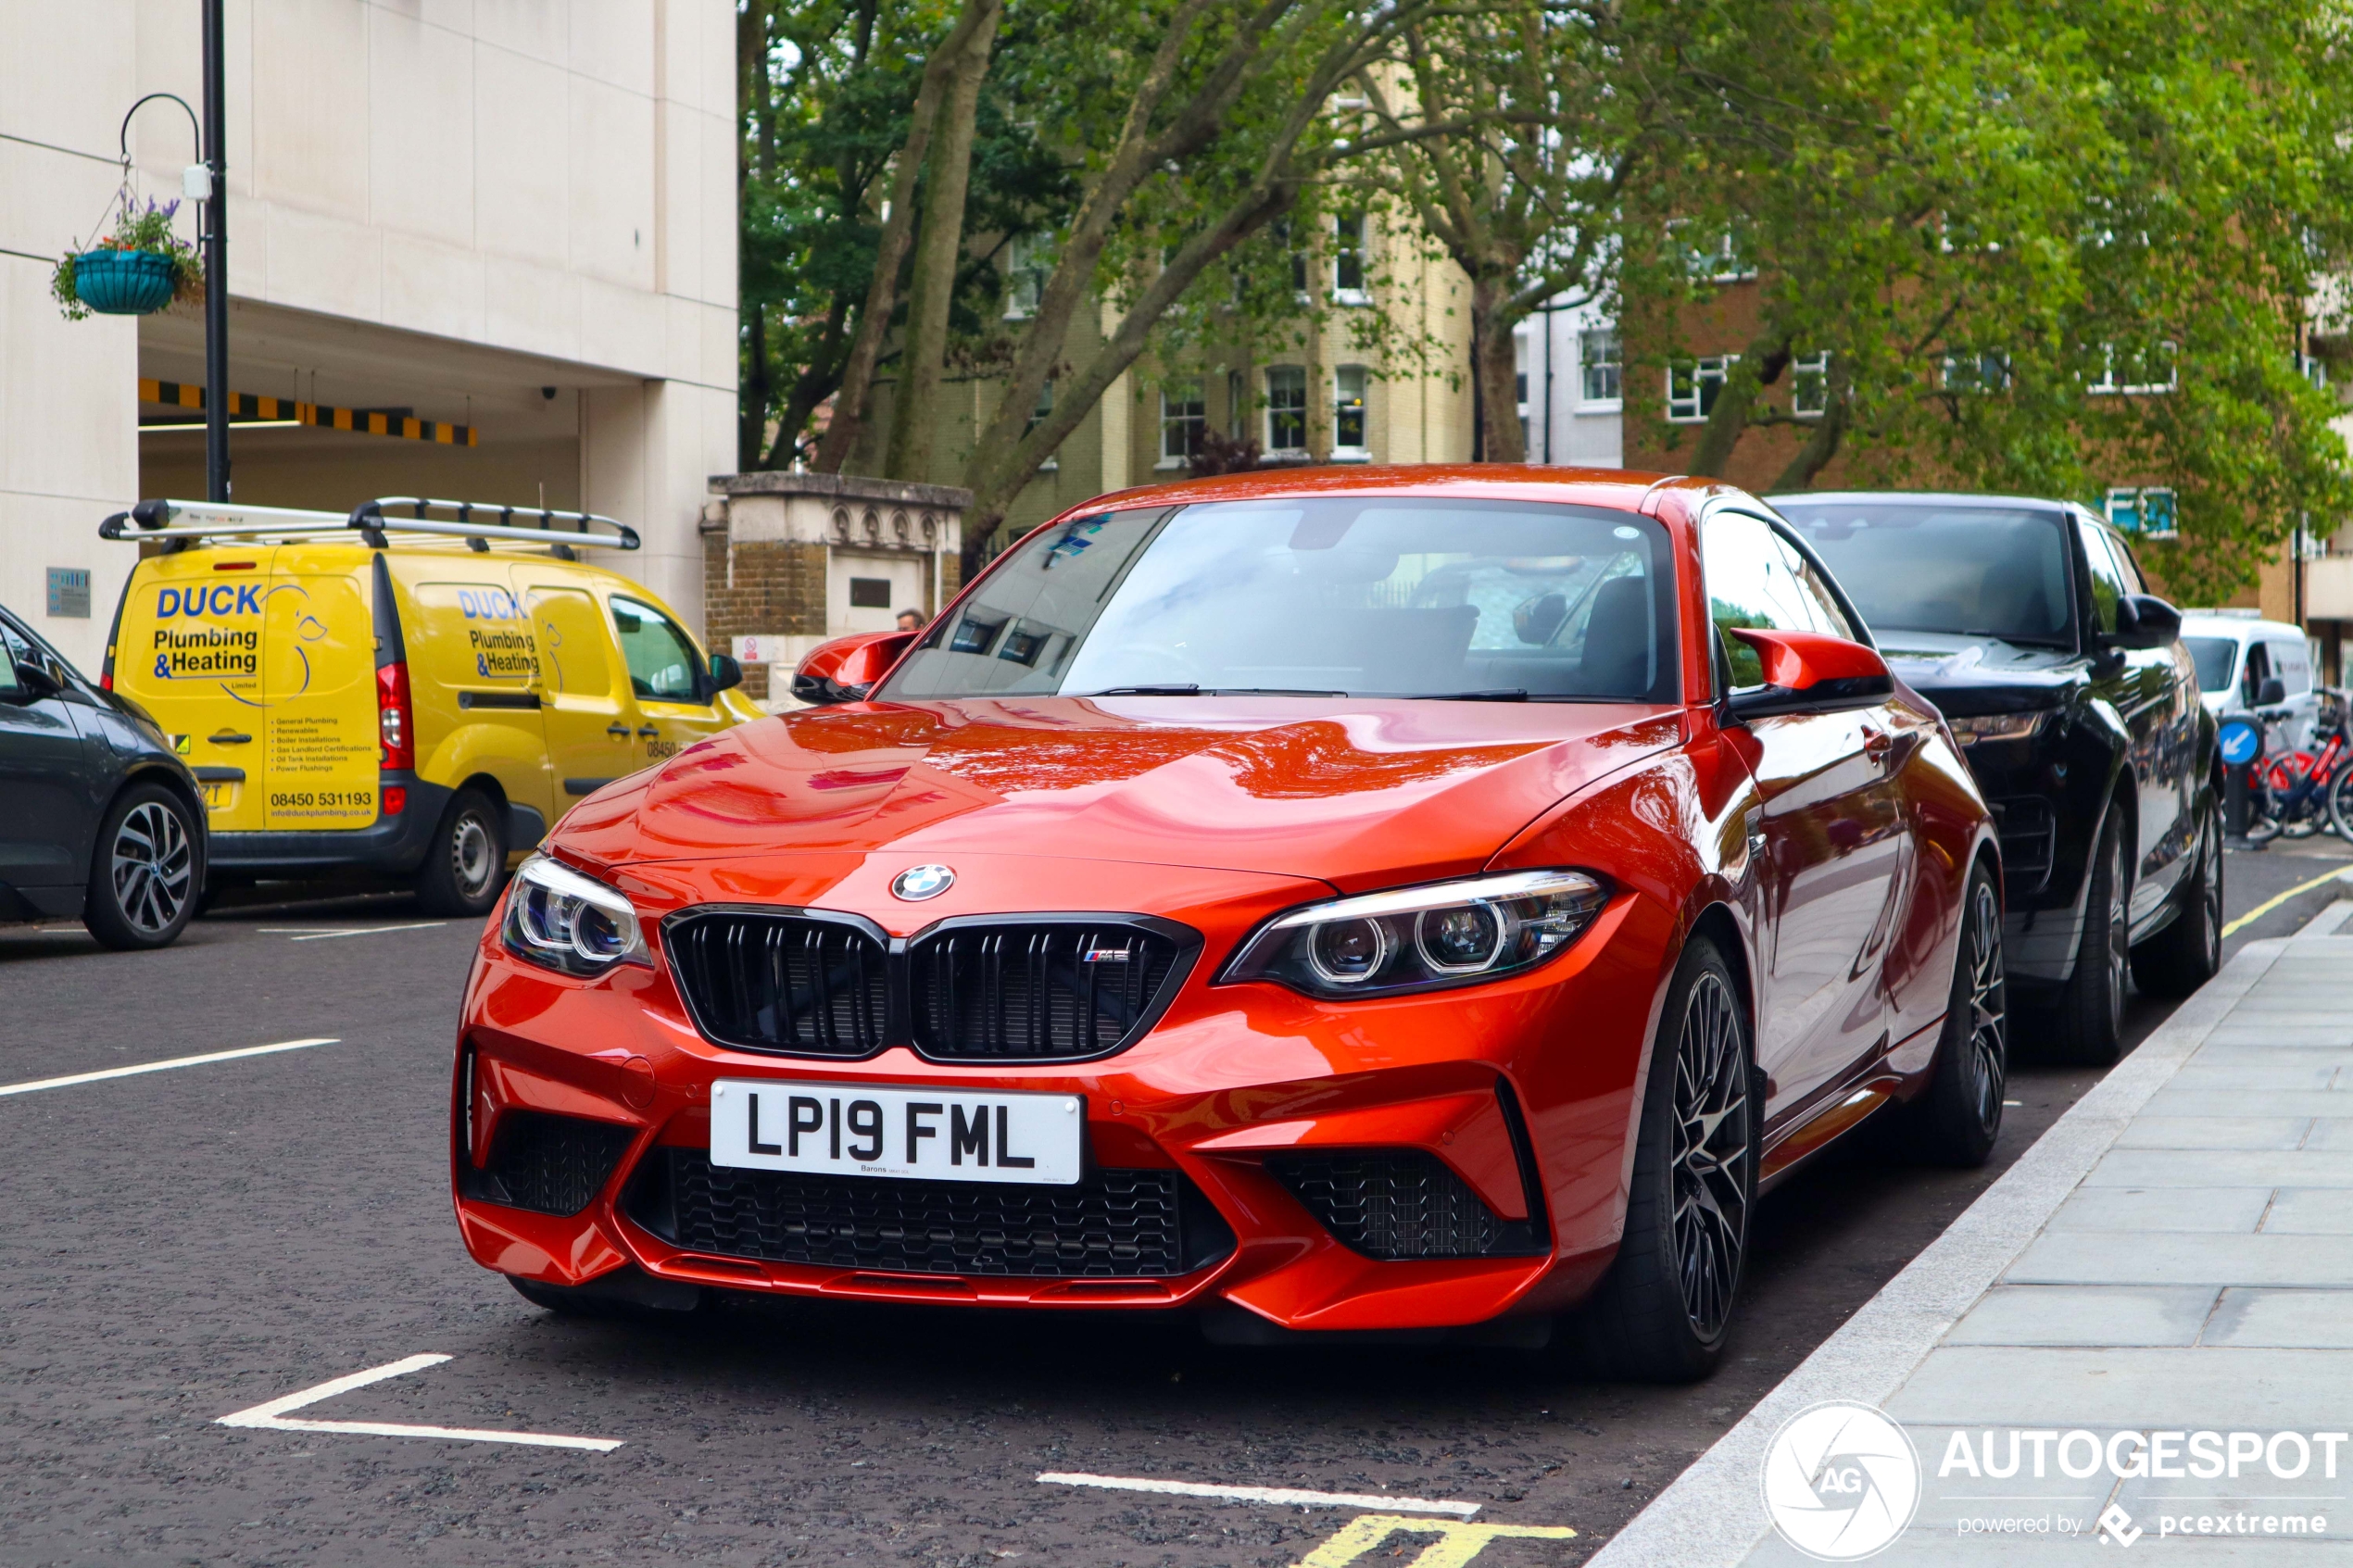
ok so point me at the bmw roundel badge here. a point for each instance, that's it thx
(918, 883)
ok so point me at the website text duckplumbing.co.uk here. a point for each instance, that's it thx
(2011, 1453)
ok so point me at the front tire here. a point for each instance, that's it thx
(2188, 953)
(145, 872)
(467, 861)
(1663, 1311)
(2090, 1005)
(1957, 1120)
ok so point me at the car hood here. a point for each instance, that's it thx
(1967, 675)
(1359, 794)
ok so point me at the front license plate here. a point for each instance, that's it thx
(856, 1130)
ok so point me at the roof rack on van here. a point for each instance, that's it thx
(561, 531)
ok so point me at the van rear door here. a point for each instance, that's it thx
(319, 692)
(190, 649)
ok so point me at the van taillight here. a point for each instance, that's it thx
(396, 724)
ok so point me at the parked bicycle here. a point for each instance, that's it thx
(2296, 793)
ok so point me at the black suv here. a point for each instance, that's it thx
(2069, 690)
(98, 818)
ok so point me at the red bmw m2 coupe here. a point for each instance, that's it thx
(1393, 899)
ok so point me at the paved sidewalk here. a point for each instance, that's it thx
(2174, 1258)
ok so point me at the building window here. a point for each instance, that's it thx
(1029, 262)
(2147, 512)
(1183, 418)
(1809, 387)
(1984, 369)
(1237, 404)
(1287, 240)
(2136, 372)
(1598, 352)
(1348, 412)
(1693, 386)
(2314, 370)
(1718, 258)
(1038, 415)
(1287, 409)
(1348, 259)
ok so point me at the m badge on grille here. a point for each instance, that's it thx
(917, 882)
(1107, 955)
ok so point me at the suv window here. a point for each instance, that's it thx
(2107, 582)
(1757, 578)
(1925, 564)
(662, 664)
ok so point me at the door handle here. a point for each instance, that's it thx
(647, 731)
(229, 737)
(619, 732)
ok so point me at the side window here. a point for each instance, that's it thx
(2258, 670)
(1754, 579)
(11, 684)
(663, 663)
(2107, 580)
(2126, 566)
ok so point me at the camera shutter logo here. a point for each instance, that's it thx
(1841, 1481)
(917, 882)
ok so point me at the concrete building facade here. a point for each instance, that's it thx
(513, 217)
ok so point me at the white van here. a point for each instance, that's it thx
(2237, 652)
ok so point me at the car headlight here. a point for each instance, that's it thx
(1422, 938)
(560, 920)
(1996, 726)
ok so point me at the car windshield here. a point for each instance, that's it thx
(1928, 566)
(2216, 658)
(1325, 595)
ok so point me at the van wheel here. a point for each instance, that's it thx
(467, 861)
(147, 870)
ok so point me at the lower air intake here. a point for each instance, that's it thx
(1116, 1224)
(549, 1164)
(1400, 1203)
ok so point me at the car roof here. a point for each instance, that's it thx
(1958, 499)
(1623, 489)
(2207, 623)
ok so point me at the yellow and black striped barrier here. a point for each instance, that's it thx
(363, 421)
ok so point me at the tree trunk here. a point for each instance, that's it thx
(915, 409)
(1759, 369)
(1497, 367)
(1822, 445)
(899, 225)
(751, 398)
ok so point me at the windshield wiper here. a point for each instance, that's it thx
(1511, 694)
(1175, 688)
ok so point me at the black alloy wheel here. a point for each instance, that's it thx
(2188, 953)
(1664, 1311)
(1958, 1116)
(146, 872)
(2090, 1005)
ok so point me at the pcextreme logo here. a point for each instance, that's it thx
(1841, 1482)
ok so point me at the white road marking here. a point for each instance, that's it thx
(311, 933)
(273, 1417)
(1286, 1497)
(73, 1078)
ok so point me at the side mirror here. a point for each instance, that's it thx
(33, 684)
(1809, 672)
(725, 673)
(2144, 621)
(843, 670)
(2271, 693)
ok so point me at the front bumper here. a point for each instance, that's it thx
(1517, 1094)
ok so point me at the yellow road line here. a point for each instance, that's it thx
(2267, 905)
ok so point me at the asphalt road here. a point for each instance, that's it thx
(185, 1244)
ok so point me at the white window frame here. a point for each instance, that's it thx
(1363, 451)
(1965, 373)
(2128, 508)
(1694, 409)
(1363, 250)
(1266, 418)
(1818, 366)
(1723, 257)
(1586, 365)
(1039, 411)
(2107, 384)
(1198, 419)
(1028, 263)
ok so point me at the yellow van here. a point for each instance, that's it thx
(415, 690)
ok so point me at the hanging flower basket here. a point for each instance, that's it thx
(124, 283)
(136, 270)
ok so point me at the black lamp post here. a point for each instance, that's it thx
(216, 261)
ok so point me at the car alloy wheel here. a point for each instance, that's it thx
(1710, 1222)
(2120, 932)
(152, 865)
(1987, 1056)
